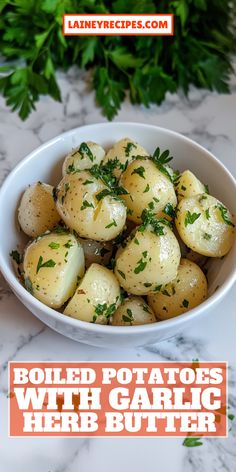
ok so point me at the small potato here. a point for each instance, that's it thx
(83, 157)
(97, 296)
(188, 186)
(37, 212)
(147, 260)
(148, 188)
(186, 291)
(124, 151)
(84, 209)
(133, 311)
(52, 266)
(205, 225)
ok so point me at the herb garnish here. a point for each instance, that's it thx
(104, 310)
(207, 213)
(16, 256)
(224, 214)
(87, 182)
(86, 204)
(140, 171)
(41, 264)
(147, 188)
(84, 151)
(113, 223)
(160, 160)
(169, 210)
(207, 236)
(129, 318)
(192, 441)
(190, 218)
(66, 188)
(121, 273)
(129, 147)
(53, 245)
(141, 263)
(156, 225)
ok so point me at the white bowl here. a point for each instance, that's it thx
(44, 164)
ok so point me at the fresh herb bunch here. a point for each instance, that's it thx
(147, 67)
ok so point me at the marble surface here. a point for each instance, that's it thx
(208, 118)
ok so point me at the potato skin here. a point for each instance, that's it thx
(133, 311)
(53, 285)
(37, 212)
(208, 235)
(147, 261)
(185, 292)
(188, 186)
(79, 159)
(148, 188)
(98, 287)
(81, 211)
(125, 151)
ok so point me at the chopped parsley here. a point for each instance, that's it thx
(157, 288)
(66, 188)
(87, 182)
(71, 167)
(202, 197)
(185, 303)
(129, 318)
(192, 441)
(141, 263)
(53, 245)
(60, 230)
(207, 236)
(104, 310)
(128, 148)
(140, 171)
(103, 194)
(151, 205)
(206, 189)
(104, 173)
(165, 292)
(160, 160)
(147, 188)
(16, 256)
(157, 225)
(86, 204)
(169, 210)
(113, 223)
(190, 218)
(121, 273)
(41, 264)
(207, 213)
(224, 214)
(68, 244)
(84, 151)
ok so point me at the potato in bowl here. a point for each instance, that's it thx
(152, 137)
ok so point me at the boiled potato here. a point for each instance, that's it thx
(124, 151)
(205, 225)
(97, 296)
(83, 157)
(188, 185)
(148, 188)
(147, 260)
(82, 209)
(37, 212)
(53, 264)
(186, 291)
(133, 311)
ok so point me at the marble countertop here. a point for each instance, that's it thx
(208, 118)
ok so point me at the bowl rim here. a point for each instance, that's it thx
(97, 328)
